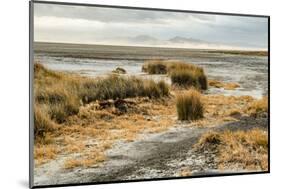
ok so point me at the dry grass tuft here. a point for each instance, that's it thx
(182, 74)
(59, 95)
(226, 86)
(239, 149)
(185, 172)
(42, 125)
(189, 105)
(189, 78)
(258, 107)
(86, 162)
(43, 153)
(155, 67)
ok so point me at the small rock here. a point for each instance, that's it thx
(119, 70)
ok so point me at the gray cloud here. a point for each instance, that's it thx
(79, 24)
(110, 15)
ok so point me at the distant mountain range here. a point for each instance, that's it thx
(176, 42)
(179, 39)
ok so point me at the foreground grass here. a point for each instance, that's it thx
(93, 129)
(182, 74)
(189, 105)
(226, 86)
(59, 95)
(258, 108)
(67, 112)
(238, 149)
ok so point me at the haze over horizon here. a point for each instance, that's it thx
(112, 26)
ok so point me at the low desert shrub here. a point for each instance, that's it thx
(189, 78)
(181, 73)
(243, 149)
(42, 124)
(155, 67)
(117, 87)
(258, 107)
(189, 105)
(62, 94)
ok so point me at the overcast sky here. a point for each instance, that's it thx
(96, 25)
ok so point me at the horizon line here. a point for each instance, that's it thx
(144, 46)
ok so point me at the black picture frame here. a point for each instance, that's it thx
(31, 111)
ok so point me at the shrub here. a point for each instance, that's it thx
(189, 105)
(164, 88)
(42, 123)
(117, 87)
(62, 94)
(155, 67)
(189, 78)
(258, 107)
(181, 73)
(239, 149)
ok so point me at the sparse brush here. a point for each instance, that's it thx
(245, 149)
(189, 78)
(114, 87)
(164, 88)
(226, 86)
(62, 94)
(189, 105)
(155, 67)
(182, 74)
(258, 107)
(42, 124)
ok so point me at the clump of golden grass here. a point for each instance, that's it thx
(189, 105)
(181, 73)
(42, 153)
(189, 78)
(185, 172)
(116, 87)
(86, 162)
(226, 86)
(245, 149)
(42, 124)
(258, 107)
(155, 67)
(60, 95)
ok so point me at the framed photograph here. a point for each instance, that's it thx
(125, 94)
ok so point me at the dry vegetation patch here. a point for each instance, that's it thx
(182, 74)
(189, 105)
(59, 95)
(82, 116)
(237, 149)
(78, 115)
(226, 86)
(258, 108)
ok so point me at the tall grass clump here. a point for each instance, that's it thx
(245, 149)
(189, 78)
(155, 67)
(258, 107)
(189, 105)
(118, 87)
(182, 74)
(42, 124)
(59, 95)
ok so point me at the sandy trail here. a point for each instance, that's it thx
(160, 155)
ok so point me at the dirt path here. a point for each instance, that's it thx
(166, 154)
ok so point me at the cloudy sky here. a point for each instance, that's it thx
(111, 26)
